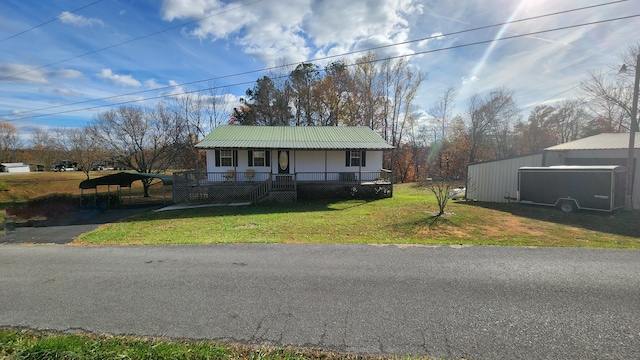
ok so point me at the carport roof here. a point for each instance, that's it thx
(123, 179)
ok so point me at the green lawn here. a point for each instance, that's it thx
(407, 218)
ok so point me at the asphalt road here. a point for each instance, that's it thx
(471, 302)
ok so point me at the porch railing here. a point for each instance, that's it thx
(281, 181)
(194, 186)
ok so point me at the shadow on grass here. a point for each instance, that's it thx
(429, 221)
(624, 223)
(144, 212)
(259, 209)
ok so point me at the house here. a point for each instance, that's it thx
(14, 167)
(496, 181)
(284, 163)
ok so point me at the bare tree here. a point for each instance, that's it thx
(9, 141)
(569, 120)
(490, 122)
(365, 99)
(144, 140)
(607, 98)
(441, 110)
(610, 97)
(400, 83)
(44, 146)
(82, 148)
(216, 108)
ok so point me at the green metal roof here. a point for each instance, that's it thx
(293, 137)
(123, 179)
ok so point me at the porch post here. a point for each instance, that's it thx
(360, 168)
(325, 165)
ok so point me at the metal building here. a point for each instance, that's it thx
(497, 181)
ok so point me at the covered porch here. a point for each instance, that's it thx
(256, 187)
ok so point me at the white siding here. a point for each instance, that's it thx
(15, 167)
(302, 161)
(494, 181)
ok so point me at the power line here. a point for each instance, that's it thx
(50, 21)
(556, 95)
(377, 60)
(292, 64)
(127, 42)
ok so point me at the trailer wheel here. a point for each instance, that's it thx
(567, 206)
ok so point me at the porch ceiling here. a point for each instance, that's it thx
(294, 137)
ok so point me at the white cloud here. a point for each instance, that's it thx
(21, 73)
(62, 91)
(124, 80)
(435, 36)
(472, 79)
(78, 20)
(293, 30)
(69, 74)
(152, 84)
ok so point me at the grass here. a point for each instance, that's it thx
(23, 344)
(407, 218)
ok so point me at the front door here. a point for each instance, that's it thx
(283, 162)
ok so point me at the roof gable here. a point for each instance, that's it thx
(606, 141)
(293, 137)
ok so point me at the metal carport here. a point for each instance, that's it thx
(124, 179)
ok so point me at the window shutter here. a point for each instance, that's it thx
(235, 158)
(363, 160)
(267, 158)
(348, 160)
(250, 159)
(217, 158)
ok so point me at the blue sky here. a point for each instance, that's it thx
(114, 47)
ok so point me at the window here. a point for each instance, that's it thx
(226, 158)
(258, 158)
(355, 158)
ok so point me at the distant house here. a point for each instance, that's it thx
(14, 167)
(497, 181)
(282, 164)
